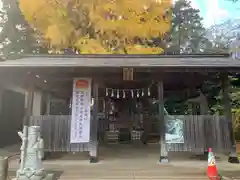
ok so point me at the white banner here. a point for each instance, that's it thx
(81, 111)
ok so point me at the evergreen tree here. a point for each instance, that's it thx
(187, 34)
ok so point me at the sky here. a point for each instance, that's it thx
(216, 11)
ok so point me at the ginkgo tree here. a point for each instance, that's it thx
(100, 26)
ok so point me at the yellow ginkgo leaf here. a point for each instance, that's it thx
(99, 26)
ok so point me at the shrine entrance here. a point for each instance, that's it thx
(131, 117)
(130, 121)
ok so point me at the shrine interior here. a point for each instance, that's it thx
(126, 107)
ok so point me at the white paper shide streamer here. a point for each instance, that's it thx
(118, 95)
(107, 92)
(138, 93)
(149, 92)
(112, 95)
(142, 92)
(126, 93)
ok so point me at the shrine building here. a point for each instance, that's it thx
(87, 102)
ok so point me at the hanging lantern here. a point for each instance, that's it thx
(149, 93)
(124, 95)
(112, 94)
(142, 92)
(106, 91)
(118, 93)
(132, 93)
(138, 93)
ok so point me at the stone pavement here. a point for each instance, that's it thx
(128, 169)
(126, 164)
(10, 150)
(127, 172)
(73, 167)
(119, 170)
(226, 170)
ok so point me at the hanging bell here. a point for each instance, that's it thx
(132, 93)
(149, 93)
(118, 93)
(124, 95)
(142, 92)
(106, 91)
(112, 94)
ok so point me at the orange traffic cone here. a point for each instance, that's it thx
(212, 169)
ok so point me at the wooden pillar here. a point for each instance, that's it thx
(232, 158)
(48, 104)
(94, 126)
(163, 148)
(29, 105)
(227, 104)
(37, 103)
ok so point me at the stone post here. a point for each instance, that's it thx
(3, 168)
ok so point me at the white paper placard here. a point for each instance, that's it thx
(81, 109)
(174, 131)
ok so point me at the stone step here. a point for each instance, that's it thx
(129, 175)
(133, 178)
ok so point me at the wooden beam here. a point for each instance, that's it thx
(113, 77)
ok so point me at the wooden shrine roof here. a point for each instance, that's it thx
(200, 61)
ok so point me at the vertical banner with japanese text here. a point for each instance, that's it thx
(81, 109)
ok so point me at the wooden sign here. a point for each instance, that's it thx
(128, 74)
